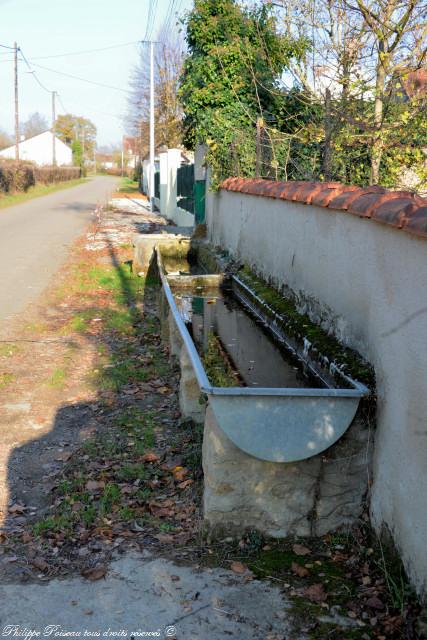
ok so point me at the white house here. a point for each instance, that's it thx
(39, 149)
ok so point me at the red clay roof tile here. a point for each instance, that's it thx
(400, 209)
(416, 222)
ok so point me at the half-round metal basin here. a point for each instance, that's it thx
(282, 428)
(274, 424)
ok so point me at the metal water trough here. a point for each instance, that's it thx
(273, 424)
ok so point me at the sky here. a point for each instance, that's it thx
(54, 27)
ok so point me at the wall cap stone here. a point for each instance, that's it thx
(399, 209)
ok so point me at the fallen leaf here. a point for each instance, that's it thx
(179, 473)
(374, 603)
(149, 457)
(63, 456)
(17, 508)
(300, 571)
(40, 563)
(165, 538)
(26, 537)
(238, 567)
(96, 573)
(185, 484)
(95, 485)
(315, 593)
(300, 550)
(163, 513)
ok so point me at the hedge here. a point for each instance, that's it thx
(20, 176)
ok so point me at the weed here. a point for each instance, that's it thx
(8, 349)
(119, 373)
(88, 515)
(6, 379)
(109, 498)
(144, 494)
(57, 379)
(90, 448)
(130, 472)
(52, 524)
(126, 513)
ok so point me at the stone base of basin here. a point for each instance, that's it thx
(190, 399)
(307, 498)
(144, 248)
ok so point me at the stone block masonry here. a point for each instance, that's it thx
(307, 498)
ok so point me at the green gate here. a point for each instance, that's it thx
(199, 200)
(191, 192)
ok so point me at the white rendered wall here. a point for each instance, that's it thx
(369, 282)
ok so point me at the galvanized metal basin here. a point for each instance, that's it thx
(273, 424)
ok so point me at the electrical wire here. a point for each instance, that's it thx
(153, 19)
(69, 75)
(33, 73)
(78, 53)
(150, 10)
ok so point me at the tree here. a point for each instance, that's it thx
(396, 32)
(35, 124)
(5, 139)
(360, 50)
(72, 129)
(168, 60)
(236, 58)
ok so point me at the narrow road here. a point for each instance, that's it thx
(35, 238)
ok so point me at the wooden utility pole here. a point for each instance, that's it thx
(16, 103)
(53, 129)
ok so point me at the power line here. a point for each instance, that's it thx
(33, 73)
(4, 46)
(78, 53)
(153, 19)
(150, 11)
(170, 14)
(69, 75)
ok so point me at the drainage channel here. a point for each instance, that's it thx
(279, 407)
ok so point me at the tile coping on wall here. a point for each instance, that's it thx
(399, 209)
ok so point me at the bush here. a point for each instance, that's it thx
(16, 176)
(20, 176)
(50, 175)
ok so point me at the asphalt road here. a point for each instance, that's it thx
(35, 238)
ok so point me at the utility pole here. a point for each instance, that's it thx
(152, 147)
(53, 129)
(16, 103)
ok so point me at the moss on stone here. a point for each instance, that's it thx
(218, 369)
(300, 326)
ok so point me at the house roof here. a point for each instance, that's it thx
(415, 83)
(131, 145)
(38, 135)
(409, 84)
